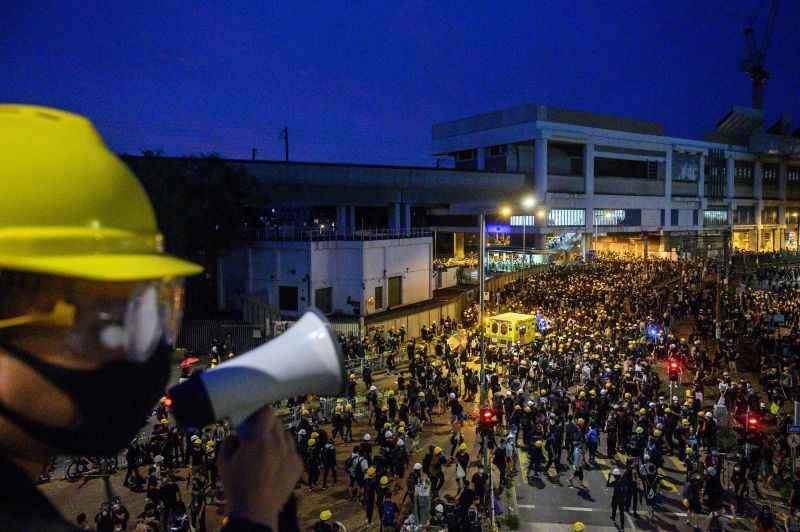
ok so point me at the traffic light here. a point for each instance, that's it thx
(674, 369)
(487, 418)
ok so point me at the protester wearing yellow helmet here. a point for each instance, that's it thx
(89, 306)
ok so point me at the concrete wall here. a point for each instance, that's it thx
(684, 188)
(567, 184)
(409, 258)
(338, 265)
(276, 264)
(629, 186)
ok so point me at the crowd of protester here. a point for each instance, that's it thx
(593, 386)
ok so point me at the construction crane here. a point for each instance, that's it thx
(753, 64)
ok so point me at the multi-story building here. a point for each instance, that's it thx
(624, 184)
(599, 182)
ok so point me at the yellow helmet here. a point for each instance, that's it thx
(578, 527)
(315, 435)
(437, 450)
(312, 442)
(325, 515)
(71, 207)
(538, 443)
(371, 472)
(384, 480)
(462, 447)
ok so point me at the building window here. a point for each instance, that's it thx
(769, 173)
(685, 167)
(614, 217)
(323, 300)
(519, 221)
(564, 158)
(793, 174)
(744, 215)
(675, 217)
(695, 217)
(287, 298)
(465, 155)
(607, 167)
(715, 217)
(663, 217)
(743, 173)
(497, 151)
(769, 215)
(395, 291)
(378, 297)
(566, 217)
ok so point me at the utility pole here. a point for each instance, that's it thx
(285, 137)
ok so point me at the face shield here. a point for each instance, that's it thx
(113, 321)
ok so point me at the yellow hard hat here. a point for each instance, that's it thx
(315, 435)
(165, 421)
(384, 480)
(71, 207)
(437, 450)
(312, 442)
(578, 527)
(462, 447)
(325, 515)
(371, 472)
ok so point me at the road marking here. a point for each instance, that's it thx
(669, 486)
(678, 464)
(577, 509)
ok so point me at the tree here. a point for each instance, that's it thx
(204, 206)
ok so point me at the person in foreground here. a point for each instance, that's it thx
(89, 309)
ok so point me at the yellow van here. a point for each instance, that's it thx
(512, 327)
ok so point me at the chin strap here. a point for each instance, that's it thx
(62, 315)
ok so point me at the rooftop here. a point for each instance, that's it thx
(532, 112)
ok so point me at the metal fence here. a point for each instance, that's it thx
(196, 335)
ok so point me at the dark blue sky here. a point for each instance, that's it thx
(364, 81)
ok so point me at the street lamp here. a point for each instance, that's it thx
(796, 217)
(528, 202)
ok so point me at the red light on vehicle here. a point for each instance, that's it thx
(487, 417)
(674, 365)
(752, 421)
(168, 402)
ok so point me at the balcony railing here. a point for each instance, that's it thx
(287, 234)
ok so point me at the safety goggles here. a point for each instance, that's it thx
(114, 321)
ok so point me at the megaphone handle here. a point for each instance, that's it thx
(287, 519)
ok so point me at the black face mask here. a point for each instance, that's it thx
(112, 402)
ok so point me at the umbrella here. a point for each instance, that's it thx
(186, 362)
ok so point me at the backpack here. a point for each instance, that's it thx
(388, 513)
(349, 466)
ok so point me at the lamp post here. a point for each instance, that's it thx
(528, 202)
(796, 217)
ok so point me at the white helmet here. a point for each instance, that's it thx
(709, 415)
(452, 395)
(367, 437)
(439, 508)
(616, 472)
(417, 467)
(372, 388)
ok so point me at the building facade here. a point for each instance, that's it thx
(622, 184)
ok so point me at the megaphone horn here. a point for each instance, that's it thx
(305, 359)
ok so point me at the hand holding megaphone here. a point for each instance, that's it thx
(259, 465)
(259, 468)
(305, 359)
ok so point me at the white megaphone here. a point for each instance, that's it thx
(304, 359)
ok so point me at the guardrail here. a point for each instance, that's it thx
(333, 234)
